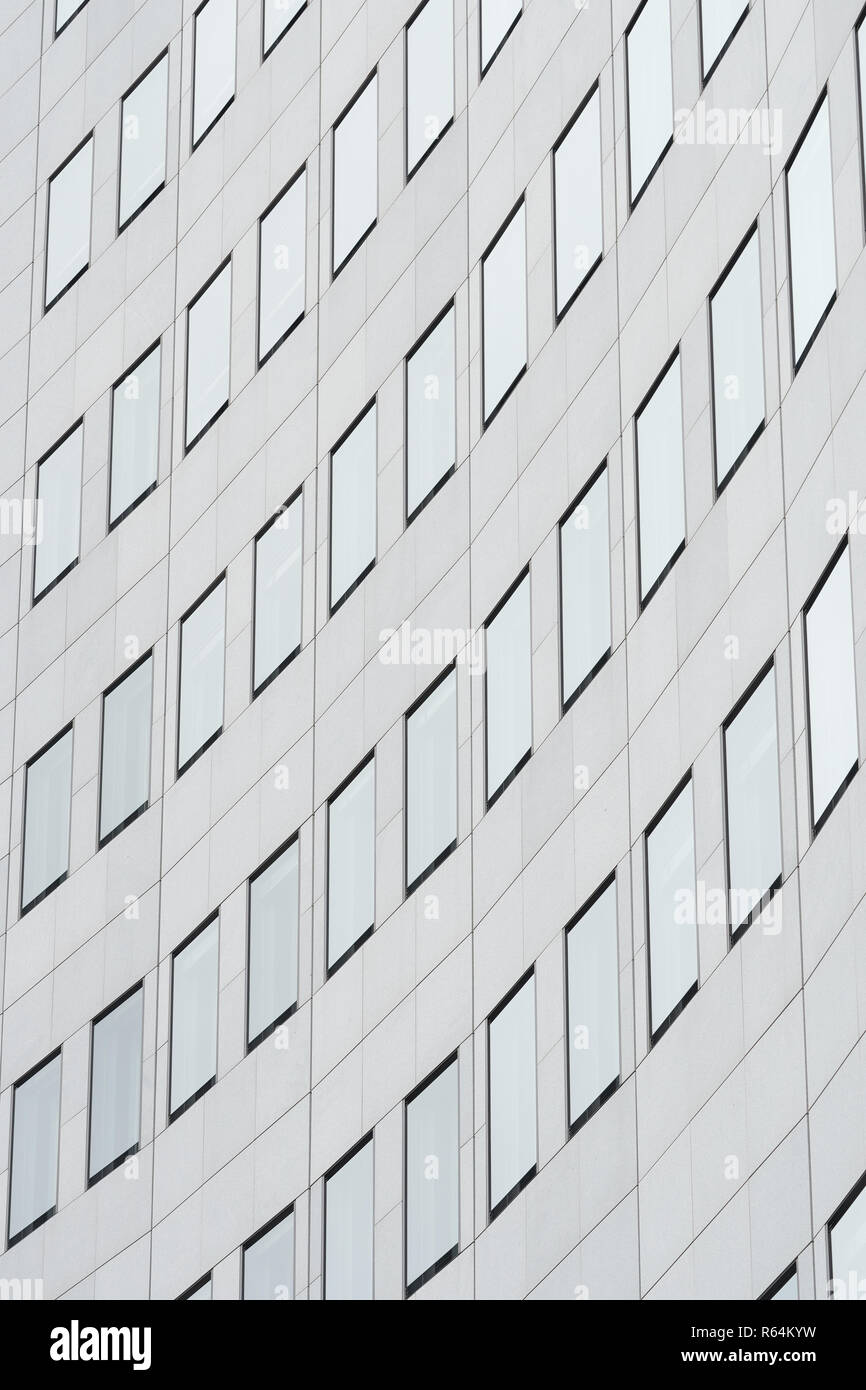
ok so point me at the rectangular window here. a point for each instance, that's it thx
(67, 253)
(134, 435)
(584, 559)
(349, 1226)
(577, 201)
(47, 814)
(35, 1144)
(202, 675)
(269, 1262)
(752, 802)
(351, 864)
(661, 492)
(432, 1177)
(214, 45)
(194, 995)
(671, 916)
(511, 1099)
(58, 492)
(831, 693)
(282, 266)
(272, 976)
(65, 11)
(431, 416)
(649, 79)
(353, 507)
(208, 353)
(847, 1233)
(508, 689)
(737, 341)
(124, 785)
(277, 614)
(355, 174)
(720, 19)
(593, 1006)
(143, 126)
(503, 301)
(277, 17)
(498, 18)
(811, 231)
(429, 78)
(115, 1085)
(431, 780)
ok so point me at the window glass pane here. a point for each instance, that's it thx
(194, 990)
(214, 81)
(135, 434)
(349, 1228)
(584, 540)
(351, 863)
(278, 16)
(861, 72)
(278, 592)
(511, 1040)
(718, 19)
(282, 258)
(208, 350)
(752, 787)
(59, 517)
(48, 798)
(65, 10)
(832, 688)
(497, 17)
(115, 1084)
(126, 722)
(593, 1004)
(356, 153)
(429, 77)
(848, 1250)
(69, 195)
(509, 688)
(273, 967)
(577, 194)
(142, 140)
(660, 479)
(432, 1174)
(431, 422)
(431, 778)
(203, 1294)
(650, 91)
(269, 1263)
(738, 359)
(202, 667)
(503, 273)
(35, 1137)
(788, 1290)
(673, 942)
(353, 506)
(812, 231)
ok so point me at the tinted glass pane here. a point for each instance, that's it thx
(278, 592)
(269, 1263)
(278, 16)
(812, 230)
(832, 686)
(504, 296)
(126, 723)
(431, 778)
(673, 943)
(194, 990)
(69, 194)
(660, 478)
(142, 141)
(432, 1174)
(497, 17)
(353, 506)
(351, 863)
(512, 1093)
(593, 1004)
(209, 326)
(509, 687)
(848, 1250)
(752, 784)
(356, 195)
(273, 968)
(35, 1135)
(738, 359)
(650, 91)
(202, 666)
(135, 434)
(718, 18)
(429, 77)
(431, 429)
(349, 1228)
(282, 257)
(577, 186)
(214, 82)
(46, 824)
(115, 1084)
(59, 495)
(585, 559)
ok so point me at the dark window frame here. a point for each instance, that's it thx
(334, 606)
(103, 840)
(122, 225)
(434, 144)
(644, 599)
(488, 418)
(48, 304)
(299, 318)
(180, 769)
(267, 51)
(655, 1035)
(566, 702)
(490, 798)
(409, 517)
(188, 446)
(438, 679)
(369, 757)
(58, 578)
(410, 1288)
(24, 908)
(742, 247)
(493, 1210)
(194, 1288)
(484, 68)
(573, 1125)
(336, 268)
(58, 30)
(634, 198)
(559, 314)
(368, 1138)
(833, 1220)
(196, 141)
(250, 1044)
(708, 74)
(779, 1283)
(286, 1212)
(46, 1216)
(206, 1086)
(814, 594)
(797, 361)
(93, 1178)
(296, 497)
(155, 346)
